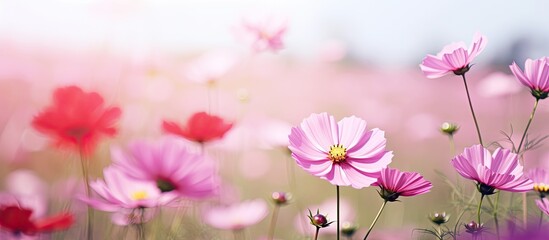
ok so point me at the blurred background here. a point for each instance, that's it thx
(153, 58)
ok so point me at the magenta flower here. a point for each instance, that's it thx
(119, 191)
(171, 166)
(237, 216)
(394, 183)
(501, 170)
(535, 76)
(543, 205)
(453, 58)
(344, 153)
(541, 181)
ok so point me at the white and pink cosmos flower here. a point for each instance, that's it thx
(119, 192)
(171, 166)
(500, 170)
(237, 216)
(454, 58)
(344, 153)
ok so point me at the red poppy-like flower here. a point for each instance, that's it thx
(18, 221)
(77, 118)
(201, 127)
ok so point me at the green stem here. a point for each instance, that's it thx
(141, 225)
(479, 207)
(337, 199)
(496, 214)
(316, 233)
(528, 125)
(540, 219)
(472, 110)
(273, 222)
(85, 176)
(375, 219)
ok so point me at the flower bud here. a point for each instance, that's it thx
(348, 229)
(319, 220)
(449, 128)
(439, 218)
(281, 198)
(474, 228)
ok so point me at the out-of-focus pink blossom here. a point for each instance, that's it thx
(535, 76)
(170, 165)
(498, 85)
(394, 183)
(344, 153)
(119, 191)
(453, 58)
(210, 67)
(264, 34)
(237, 216)
(26, 189)
(500, 170)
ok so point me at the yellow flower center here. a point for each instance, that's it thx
(541, 187)
(337, 153)
(139, 195)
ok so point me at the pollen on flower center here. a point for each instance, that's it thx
(139, 195)
(541, 187)
(337, 153)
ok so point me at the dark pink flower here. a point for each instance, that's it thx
(18, 220)
(170, 165)
(344, 153)
(453, 58)
(394, 183)
(500, 170)
(535, 76)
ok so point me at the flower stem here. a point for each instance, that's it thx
(141, 225)
(337, 199)
(375, 219)
(85, 175)
(479, 207)
(316, 233)
(540, 219)
(496, 222)
(273, 222)
(528, 125)
(472, 110)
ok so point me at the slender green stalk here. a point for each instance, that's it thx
(337, 198)
(540, 219)
(375, 219)
(239, 234)
(528, 125)
(452, 145)
(495, 207)
(472, 110)
(141, 225)
(272, 226)
(479, 207)
(85, 175)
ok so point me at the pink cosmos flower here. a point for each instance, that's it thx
(265, 34)
(237, 216)
(453, 58)
(119, 191)
(170, 165)
(543, 205)
(394, 183)
(541, 181)
(344, 153)
(501, 170)
(535, 76)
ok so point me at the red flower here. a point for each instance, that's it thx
(18, 220)
(77, 118)
(201, 128)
